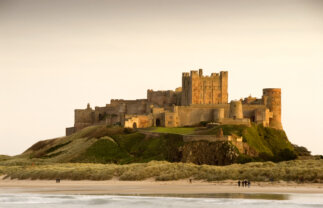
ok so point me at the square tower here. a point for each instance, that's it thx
(199, 89)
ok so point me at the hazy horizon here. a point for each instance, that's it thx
(57, 56)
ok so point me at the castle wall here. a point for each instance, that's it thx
(171, 119)
(163, 98)
(83, 118)
(237, 121)
(257, 113)
(70, 131)
(193, 115)
(252, 101)
(138, 107)
(158, 115)
(134, 121)
(100, 114)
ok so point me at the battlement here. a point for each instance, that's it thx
(194, 73)
(199, 74)
(160, 92)
(214, 74)
(185, 74)
(117, 101)
(200, 89)
(271, 91)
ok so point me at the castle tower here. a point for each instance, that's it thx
(200, 89)
(272, 100)
(218, 115)
(236, 109)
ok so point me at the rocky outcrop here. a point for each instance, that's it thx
(211, 153)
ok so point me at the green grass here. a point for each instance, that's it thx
(175, 130)
(130, 148)
(296, 170)
(255, 140)
(104, 150)
(227, 130)
(265, 141)
(270, 143)
(52, 149)
(102, 144)
(145, 149)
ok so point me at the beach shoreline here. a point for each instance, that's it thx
(151, 187)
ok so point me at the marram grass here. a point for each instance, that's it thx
(296, 170)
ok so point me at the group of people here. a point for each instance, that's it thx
(244, 183)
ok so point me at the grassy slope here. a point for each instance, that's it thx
(264, 140)
(99, 144)
(297, 170)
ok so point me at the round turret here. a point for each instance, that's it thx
(272, 100)
(218, 114)
(236, 109)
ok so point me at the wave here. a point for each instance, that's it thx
(62, 201)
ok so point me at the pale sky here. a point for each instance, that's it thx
(56, 56)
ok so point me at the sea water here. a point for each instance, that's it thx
(176, 201)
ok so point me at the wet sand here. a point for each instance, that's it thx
(116, 187)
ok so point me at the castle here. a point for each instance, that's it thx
(200, 99)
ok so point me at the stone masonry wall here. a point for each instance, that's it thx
(199, 89)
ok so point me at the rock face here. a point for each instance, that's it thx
(211, 153)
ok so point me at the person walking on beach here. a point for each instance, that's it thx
(248, 183)
(239, 182)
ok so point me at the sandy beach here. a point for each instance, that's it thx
(116, 187)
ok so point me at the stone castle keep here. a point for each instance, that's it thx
(201, 98)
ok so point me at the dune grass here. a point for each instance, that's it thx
(4, 157)
(296, 170)
(174, 130)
